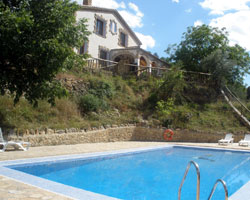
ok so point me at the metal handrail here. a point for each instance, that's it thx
(198, 180)
(215, 185)
(233, 95)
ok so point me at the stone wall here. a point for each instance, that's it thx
(93, 136)
(128, 133)
(154, 134)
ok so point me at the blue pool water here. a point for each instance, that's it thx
(152, 175)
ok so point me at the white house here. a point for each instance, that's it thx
(112, 39)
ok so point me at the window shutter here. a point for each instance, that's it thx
(126, 40)
(104, 28)
(81, 50)
(115, 28)
(111, 26)
(86, 46)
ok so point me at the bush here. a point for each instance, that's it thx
(165, 108)
(101, 89)
(91, 103)
(88, 103)
(170, 114)
(171, 86)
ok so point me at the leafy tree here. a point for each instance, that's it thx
(171, 86)
(219, 65)
(198, 52)
(37, 40)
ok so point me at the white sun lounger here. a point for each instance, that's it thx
(227, 140)
(16, 144)
(245, 141)
(3, 143)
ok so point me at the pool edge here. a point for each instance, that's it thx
(62, 189)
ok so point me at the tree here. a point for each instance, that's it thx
(200, 44)
(37, 40)
(170, 86)
(219, 66)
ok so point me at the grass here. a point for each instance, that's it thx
(216, 117)
(24, 116)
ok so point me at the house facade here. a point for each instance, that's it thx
(112, 39)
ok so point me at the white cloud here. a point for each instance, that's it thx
(122, 5)
(198, 23)
(235, 17)
(147, 40)
(188, 10)
(133, 19)
(219, 7)
(238, 26)
(108, 4)
(176, 1)
(136, 9)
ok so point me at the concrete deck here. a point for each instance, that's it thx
(11, 189)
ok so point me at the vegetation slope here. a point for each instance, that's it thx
(109, 100)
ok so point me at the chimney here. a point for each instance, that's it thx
(87, 2)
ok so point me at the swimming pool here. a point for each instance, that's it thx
(151, 173)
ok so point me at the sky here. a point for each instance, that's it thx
(159, 23)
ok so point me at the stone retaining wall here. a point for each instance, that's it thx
(154, 134)
(129, 133)
(94, 136)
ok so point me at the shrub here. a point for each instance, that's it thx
(164, 108)
(171, 86)
(170, 114)
(91, 103)
(101, 89)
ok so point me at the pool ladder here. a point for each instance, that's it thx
(198, 183)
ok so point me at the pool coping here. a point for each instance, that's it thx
(75, 193)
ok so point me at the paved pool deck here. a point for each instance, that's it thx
(12, 189)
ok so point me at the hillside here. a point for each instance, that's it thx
(96, 100)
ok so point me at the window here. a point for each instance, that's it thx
(113, 27)
(143, 62)
(99, 27)
(84, 48)
(153, 64)
(123, 39)
(103, 54)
